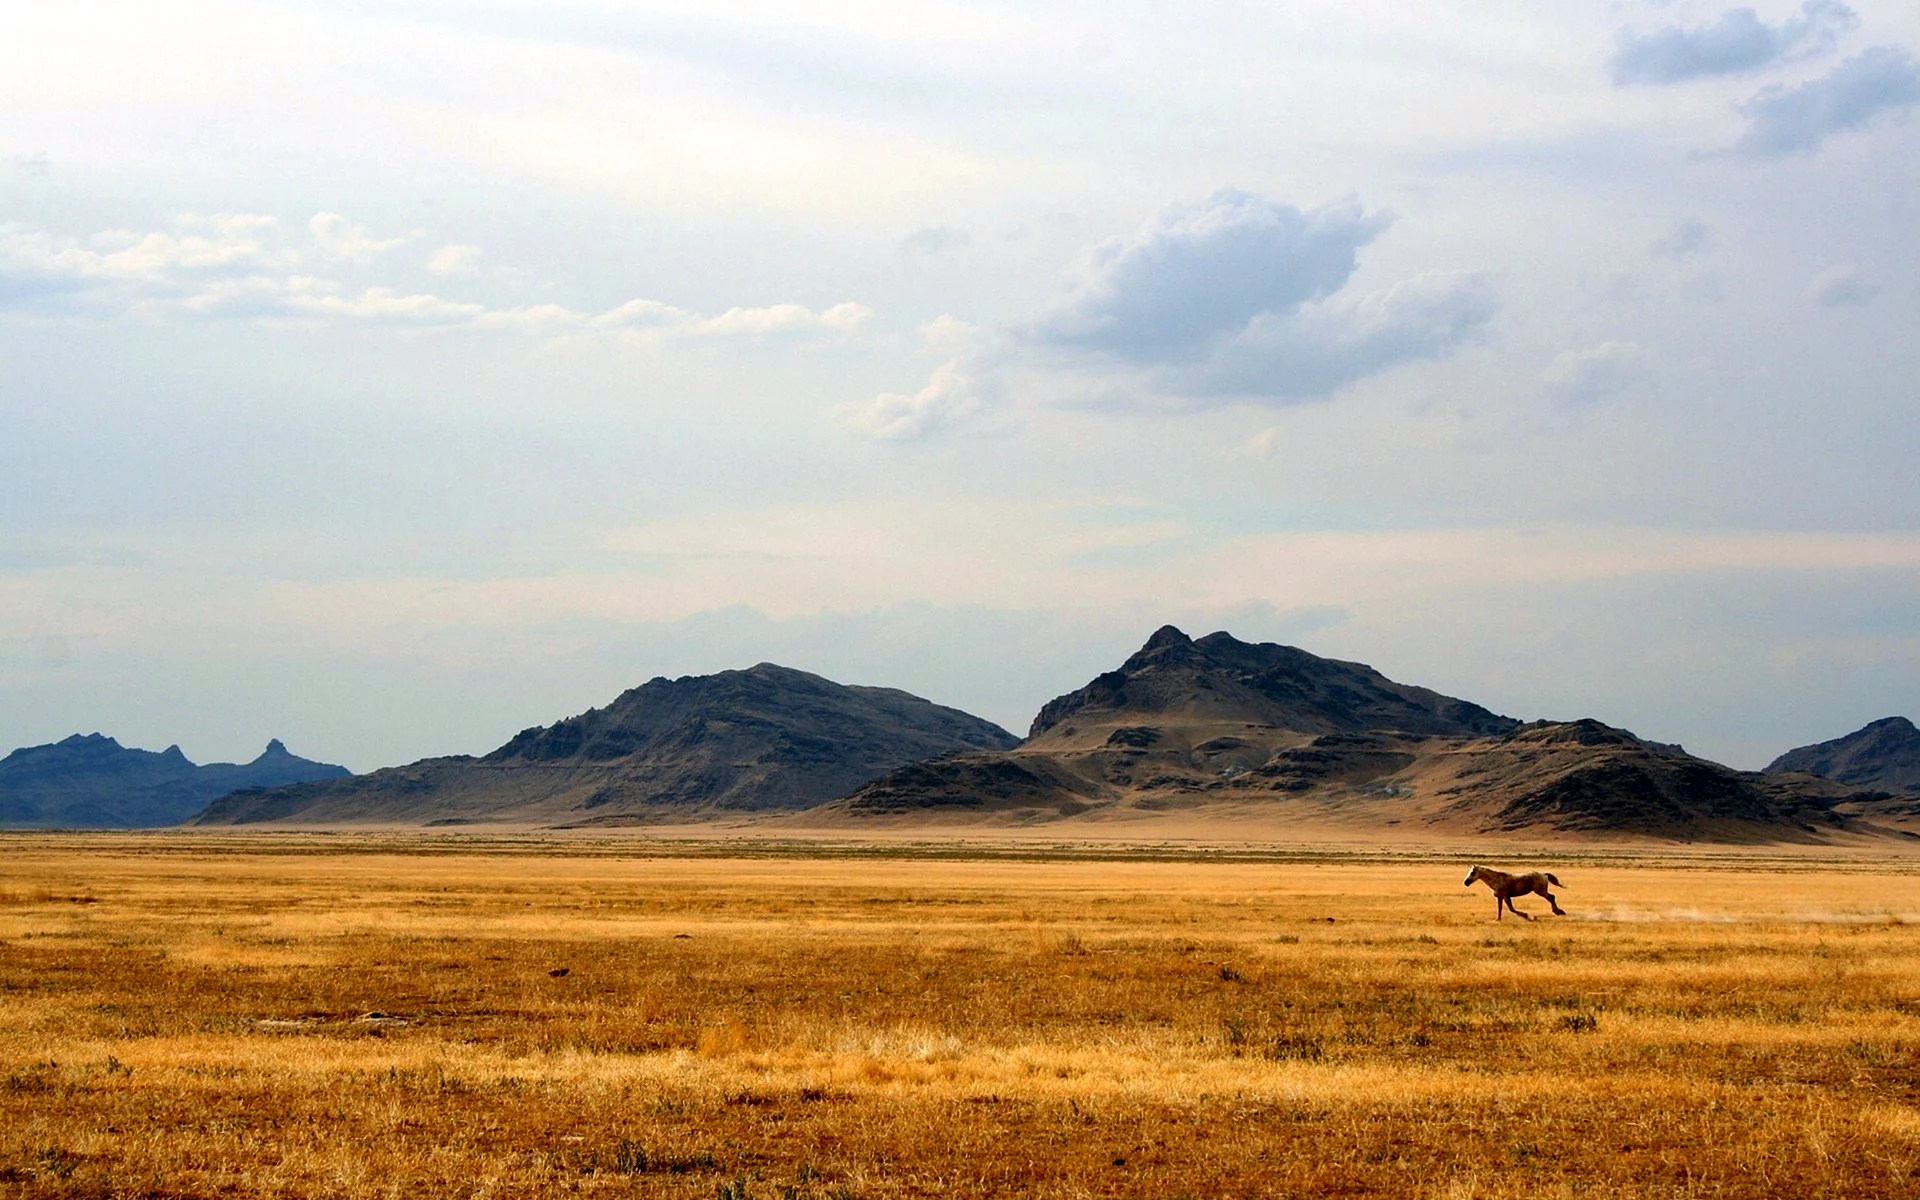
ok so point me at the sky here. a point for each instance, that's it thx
(388, 378)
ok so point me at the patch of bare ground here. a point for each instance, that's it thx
(410, 1015)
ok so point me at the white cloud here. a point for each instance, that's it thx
(1841, 287)
(240, 267)
(346, 239)
(1597, 372)
(455, 261)
(950, 398)
(651, 319)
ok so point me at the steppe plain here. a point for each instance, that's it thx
(198, 1014)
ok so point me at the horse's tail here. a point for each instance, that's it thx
(1555, 882)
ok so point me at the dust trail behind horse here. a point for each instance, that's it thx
(1506, 887)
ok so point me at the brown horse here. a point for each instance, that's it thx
(1506, 887)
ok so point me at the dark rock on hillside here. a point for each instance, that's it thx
(974, 783)
(1884, 755)
(93, 782)
(767, 739)
(1587, 777)
(1223, 678)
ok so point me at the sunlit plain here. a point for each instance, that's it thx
(392, 1015)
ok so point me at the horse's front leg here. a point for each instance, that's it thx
(1516, 912)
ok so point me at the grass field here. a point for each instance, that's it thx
(308, 1016)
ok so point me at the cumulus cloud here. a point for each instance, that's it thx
(1315, 349)
(1796, 120)
(1234, 298)
(1597, 372)
(1199, 273)
(1237, 296)
(1738, 42)
(1841, 287)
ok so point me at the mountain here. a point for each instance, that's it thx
(1217, 726)
(1222, 679)
(1884, 755)
(93, 782)
(766, 739)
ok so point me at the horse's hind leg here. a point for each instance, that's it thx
(1557, 910)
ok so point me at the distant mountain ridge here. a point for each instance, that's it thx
(765, 739)
(1883, 754)
(91, 781)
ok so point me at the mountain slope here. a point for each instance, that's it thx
(93, 782)
(1883, 755)
(769, 738)
(1225, 727)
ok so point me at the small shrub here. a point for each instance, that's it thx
(1578, 1023)
(1298, 1047)
(630, 1157)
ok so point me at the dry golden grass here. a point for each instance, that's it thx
(309, 1016)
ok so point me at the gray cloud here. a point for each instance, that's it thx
(1841, 287)
(1789, 120)
(1199, 273)
(1685, 237)
(1314, 350)
(1739, 41)
(1235, 298)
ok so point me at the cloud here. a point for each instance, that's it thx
(1231, 299)
(933, 239)
(651, 318)
(1841, 287)
(1316, 349)
(243, 267)
(1596, 373)
(950, 398)
(1738, 42)
(1236, 296)
(342, 238)
(455, 261)
(1200, 273)
(1686, 237)
(1796, 120)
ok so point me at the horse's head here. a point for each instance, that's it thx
(1471, 876)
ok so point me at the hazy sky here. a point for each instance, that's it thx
(390, 377)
